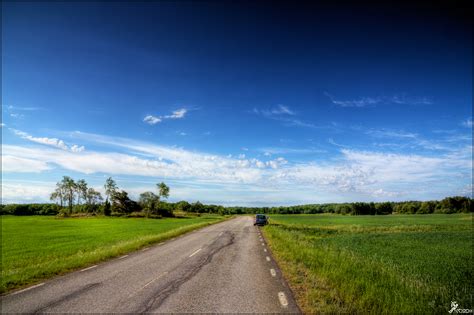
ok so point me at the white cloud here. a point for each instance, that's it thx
(354, 174)
(76, 148)
(279, 110)
(283, 114)
(374, 101)
(282, 110)
(26, 192)
(24, 108)
(277, 163)
(362, 102)
(415, 140)
(151, 120)
(177, 114)
(17, 116)
(2, 125)
(282, 150)
(391, 133)
(54, 142)
(467, 123)
(16, 164)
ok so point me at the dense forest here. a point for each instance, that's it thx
(75, 197)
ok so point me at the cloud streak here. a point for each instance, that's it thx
(54, 142)
(177, 114)
(467, 123)
(283, 114)
(379, 100)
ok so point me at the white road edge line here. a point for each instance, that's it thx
(150, 282)
(265, 250)
(221, 233)
(195, 253)
(263, 244)
(146, 248)
(267, 258)
(273, 272)
(88, 268)
(122, 257)
(32, 287)
(282, 298)
(147, 284)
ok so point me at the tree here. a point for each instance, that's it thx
(92, 198)
(383, 208)
(123, 204)
(197, 207)
(183, 206)
(107, 210)
(68, 187)
(81, 189)
(149, 202)
(110, 188)
(427, 207)
(163, 190)
(58, 195)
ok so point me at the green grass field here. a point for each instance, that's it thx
(35, 247)
(376, 264)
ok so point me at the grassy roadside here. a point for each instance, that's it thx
(35, 248)
(385, 264)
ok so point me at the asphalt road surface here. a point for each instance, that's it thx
(222, 268)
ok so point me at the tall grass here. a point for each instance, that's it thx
(389, 264)
(34, 248)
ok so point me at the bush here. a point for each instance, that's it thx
(30, 209)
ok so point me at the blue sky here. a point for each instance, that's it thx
(238, 104)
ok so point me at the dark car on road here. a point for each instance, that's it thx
(260, 219)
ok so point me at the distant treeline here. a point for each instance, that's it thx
(75, 197)
(447, 205)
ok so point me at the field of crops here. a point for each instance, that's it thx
(377, 264)
(37, 247)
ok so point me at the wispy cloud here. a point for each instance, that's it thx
(19, 164)
(452, 142)
(13, 192)
(19, 112)
(467, 123)
(177, 114)
(283, 114)
(279, 110)
(391, 133)
(362, 102)
(362, 175)
(54, 142)
(374, 101)
(151, 120)
(285, 150)
(334, 143)
(24, 108)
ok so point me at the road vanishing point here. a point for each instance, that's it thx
(223, 268)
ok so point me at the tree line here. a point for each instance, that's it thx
(457, 204)
(76, 197)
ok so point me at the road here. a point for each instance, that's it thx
(222, 268)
